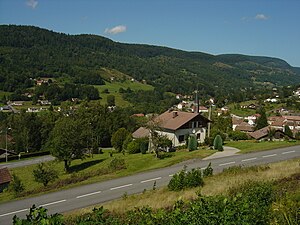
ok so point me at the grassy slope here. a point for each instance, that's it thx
(113, 88)
(252, 145)
(135, 163)
(215, 185)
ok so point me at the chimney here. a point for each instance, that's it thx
(175, 114)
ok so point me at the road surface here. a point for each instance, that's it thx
(27, 162)
(83, 196)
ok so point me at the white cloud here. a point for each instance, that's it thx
(32, 3)
(261, 17)
(116, 30)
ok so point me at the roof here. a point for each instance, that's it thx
(237, 120)
(173, 120)
(263, 132)
(279, 122)
(5, 176)
(245, 127)
(141, 132)
(294, 118)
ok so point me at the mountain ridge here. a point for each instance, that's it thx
(37, 52)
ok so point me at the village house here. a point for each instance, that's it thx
(236, 120)
(245, 127)
(176, 125)
(5, 178)
(15, 103)
(279, 122)
(263, 134)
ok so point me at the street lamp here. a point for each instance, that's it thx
(7, 129)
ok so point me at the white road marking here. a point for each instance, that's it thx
(171, 175)
(245, 160)
(266, 156)
(224, 164)
(114, 188)
(203, 168)
(52, 203)
(6, 214)
(287, 152)
(89, 194)
(157, 178)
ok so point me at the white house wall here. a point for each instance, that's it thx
(174, 137)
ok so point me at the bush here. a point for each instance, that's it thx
(218, 143)
(208, 171)
(44, 174)
(39, 216)
(238, 135)
(133, 147)
(16, 186)
(117, 164)
(192, 143)
(186, 179)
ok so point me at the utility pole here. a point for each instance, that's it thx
(209, 117)
(6, 143)
(197, 100)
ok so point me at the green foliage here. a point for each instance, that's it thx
(288, 131)
(262, 121)
(67, 141)
(192, 143)
(143, 143)
(117, 164)
(111, 100)
(218, 143)
(208, 171)
(133, 147)
(297, 135)
(249, 205)
(16, 186)
(81, 59)
(38, 216)
(44, 174)
(126, 142)
(237, 135)
(186, 179)
(118, 138)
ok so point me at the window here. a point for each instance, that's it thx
(181, 138)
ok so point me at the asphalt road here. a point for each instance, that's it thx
(82, 196)
(27, 162)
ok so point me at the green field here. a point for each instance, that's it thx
(113, 88)
(97, 164)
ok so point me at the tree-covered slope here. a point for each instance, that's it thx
(31, 52)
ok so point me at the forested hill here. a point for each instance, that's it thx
(31, 52)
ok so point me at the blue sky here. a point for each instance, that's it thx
(253, 27)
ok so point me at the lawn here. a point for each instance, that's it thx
(252, 145)
(97, 165)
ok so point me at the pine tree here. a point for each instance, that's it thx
(218, 143)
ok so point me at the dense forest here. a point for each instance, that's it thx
(31, 52)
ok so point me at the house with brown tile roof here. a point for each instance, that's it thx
(175, 125)
(263, 134)
(5, 178)
(245, 127)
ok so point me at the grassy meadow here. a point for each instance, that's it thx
(113, 88)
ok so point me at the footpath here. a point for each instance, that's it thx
(228, 151)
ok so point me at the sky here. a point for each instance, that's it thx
(252, 27)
